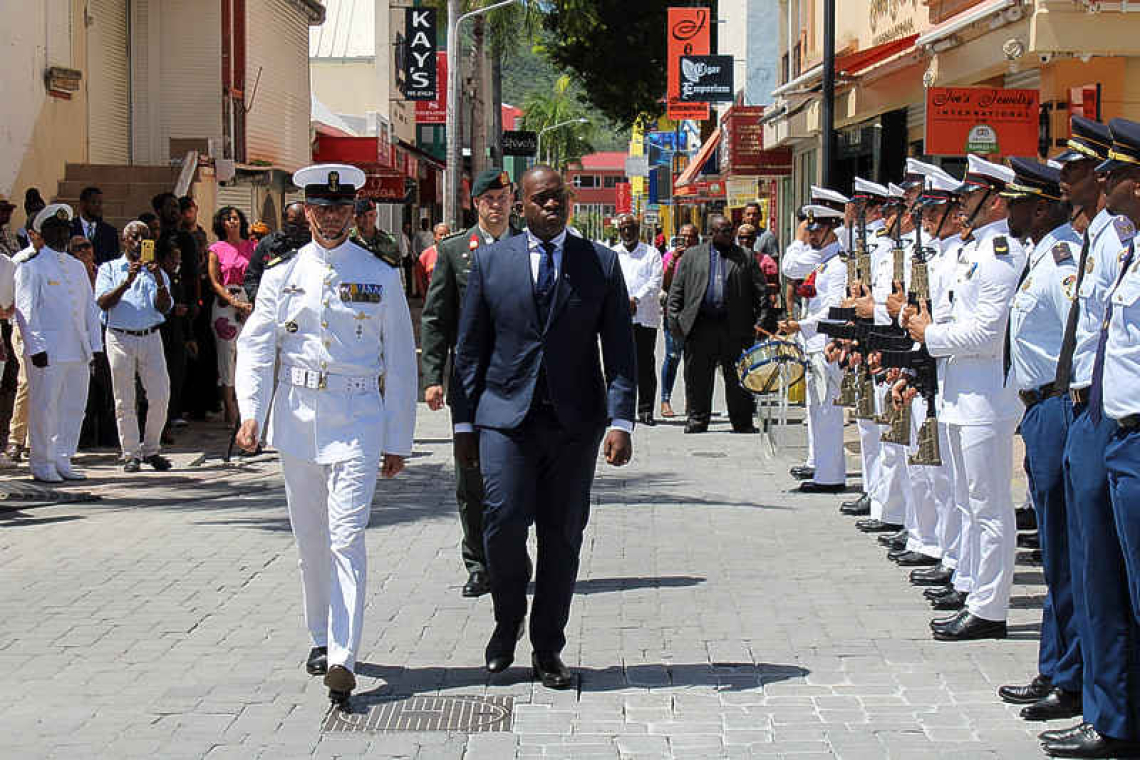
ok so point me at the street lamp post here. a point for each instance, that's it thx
(544, 130)
(454, 150)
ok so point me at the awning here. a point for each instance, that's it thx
(853, 63)
(693, 169)
(964, 19)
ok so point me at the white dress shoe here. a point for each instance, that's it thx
(46, 474)
(68, 472)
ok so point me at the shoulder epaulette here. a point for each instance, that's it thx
(1001, 246)
(453, 236)
(383, 247)
(881, 232)
(1061, 252)
(280, 256)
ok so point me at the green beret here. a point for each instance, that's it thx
(491, 179)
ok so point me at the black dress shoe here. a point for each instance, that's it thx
(1028, 541)
(932, 576)
(1057, 704)
(549, 669)
(893, 540)
(1088, 742)
(810, 486)
(341, 682)
(646, 418)
(1061, 734)
(955, 600)
(863, 501)
(1027, 518)
(942, 622)
(1039, 688)
(799, 472)
(746, 429)
(937, 592)
(693, 427)
(478, 583)
(158, 462)
(858, 508)
(971, 628)
(318, 662)
(877, 526)
(501, 646)
(894, 554)
(917, 559)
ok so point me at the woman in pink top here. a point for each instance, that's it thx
(228, 259)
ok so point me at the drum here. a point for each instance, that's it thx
(771, 367)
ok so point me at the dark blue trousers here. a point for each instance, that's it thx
(536, 473)
(1044, 429)
(1106, 626)
(1122, 460)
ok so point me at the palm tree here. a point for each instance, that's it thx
(566, 143)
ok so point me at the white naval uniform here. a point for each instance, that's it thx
(328, 325)
(1041, 309)
(798, 261)
(1108, 236)
(825, 419)
(982, 412)
(869, 432)
(56, 311)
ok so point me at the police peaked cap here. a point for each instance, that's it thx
(1090, 141)
(1033, 179)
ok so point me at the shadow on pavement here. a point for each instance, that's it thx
(607, 585)
(19, 519)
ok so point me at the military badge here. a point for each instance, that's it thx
(1061, 253)
(1070, 286)
(360, 292)
(1089, 265)
(290, 326)
(1025, 285)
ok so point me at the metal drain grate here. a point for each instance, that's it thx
(465, 714)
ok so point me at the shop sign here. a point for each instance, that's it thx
(687, 33)
(419, 54)
(387, 187)
(741, 190)
(706, 79)
(637, 166)
(624, 202)
(982, 120)
(435, 111)
(742, 146)
(519, 142)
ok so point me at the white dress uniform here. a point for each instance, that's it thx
(1041, 308)
(869, 431)
(57, 314)
(1108, 235)
(328, 324)
(982, 412)
(825, 419)
(1122, 346)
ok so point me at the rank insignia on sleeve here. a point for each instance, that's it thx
(1061, 253)
(1001, 246)
(1070, 286)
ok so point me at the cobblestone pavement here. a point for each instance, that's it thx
(717, 615)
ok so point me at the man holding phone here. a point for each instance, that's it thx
(135, 295)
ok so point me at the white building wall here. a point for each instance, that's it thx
(277, 51)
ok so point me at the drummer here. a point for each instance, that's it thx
(823, 288)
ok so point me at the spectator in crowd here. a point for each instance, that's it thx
(84, 250)
(177, 334)
(188, 207)
(98, 428)
(152, 224)
(257, 231)
(406, 254)
(766, 242)
(426, 265)
(60, 323)
(172, 225)
(135, 298)
(293, 234)
(424, 238)
(104, 238)
(228, 260)
(18, 425)
(746, 236)
(674, 345)
(33, 204)
(641, 266)
(9, 245)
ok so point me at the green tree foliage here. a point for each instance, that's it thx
(547, 108)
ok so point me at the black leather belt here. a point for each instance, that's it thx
(1079, 396)
(1036, 395)
(136, 333)
(1131, 422)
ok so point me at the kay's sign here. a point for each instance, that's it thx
(421, 82)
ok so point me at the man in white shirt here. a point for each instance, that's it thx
(642, 268)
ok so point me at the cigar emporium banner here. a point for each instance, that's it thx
(983, 120)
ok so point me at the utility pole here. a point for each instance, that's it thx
(827, 127)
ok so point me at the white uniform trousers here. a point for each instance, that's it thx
(329, 507)
(888, 495)
(869, 452)
(825, 420)
(983, 467)
(922, 517)
(141, 354)
(949, 517)
(58, 400)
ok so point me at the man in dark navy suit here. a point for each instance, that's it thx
(536, 306)
(89, 223)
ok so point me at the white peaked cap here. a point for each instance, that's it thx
(867, 187)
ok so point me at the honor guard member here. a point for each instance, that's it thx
(828, 283)
(797, 264)
(1036, 327)
(1105, 546)
(328, 358)
(981, 411)
(60, 324)
(492, 195)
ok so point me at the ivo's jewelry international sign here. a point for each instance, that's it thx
(982, 120)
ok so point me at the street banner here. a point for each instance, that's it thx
(742, 146)
(687, 34)
(706, 79)
(519, 142)
(983, 120)
(435, 111)
(420, 81)
(624, 203)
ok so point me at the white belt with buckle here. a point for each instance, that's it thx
(308, 378)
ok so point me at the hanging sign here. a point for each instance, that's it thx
(420, 82)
